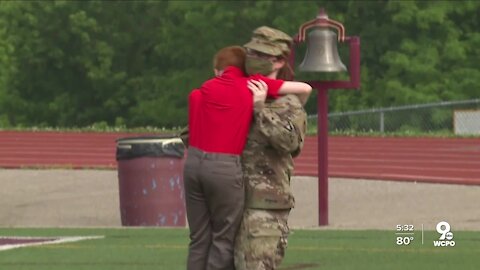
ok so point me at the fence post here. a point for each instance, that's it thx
(382, 122)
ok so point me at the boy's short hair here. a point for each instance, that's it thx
(230, 56)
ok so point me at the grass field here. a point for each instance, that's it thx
(155, 248)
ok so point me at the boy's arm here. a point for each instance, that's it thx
(301, 89)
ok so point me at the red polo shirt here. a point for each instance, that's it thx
(220, 116)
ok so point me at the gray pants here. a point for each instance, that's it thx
(214, 194)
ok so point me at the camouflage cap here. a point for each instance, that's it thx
(269, 41)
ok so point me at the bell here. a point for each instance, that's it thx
(322, 54)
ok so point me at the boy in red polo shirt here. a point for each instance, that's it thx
(220, 113)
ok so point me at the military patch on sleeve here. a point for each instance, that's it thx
(289, 126)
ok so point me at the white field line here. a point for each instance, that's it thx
(57, 240)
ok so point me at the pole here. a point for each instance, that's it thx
(322, 138)
(322, 134)
(382, 122)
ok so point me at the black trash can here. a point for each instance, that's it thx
(150, 180)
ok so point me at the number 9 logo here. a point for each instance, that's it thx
(445, 231)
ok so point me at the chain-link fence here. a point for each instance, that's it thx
(433, 117)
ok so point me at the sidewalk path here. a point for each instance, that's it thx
(89, 198)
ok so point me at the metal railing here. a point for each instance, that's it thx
(430, 117)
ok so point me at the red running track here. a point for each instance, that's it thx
(437, 160)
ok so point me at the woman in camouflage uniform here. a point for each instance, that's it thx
(276, 135)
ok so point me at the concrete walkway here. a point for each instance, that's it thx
(89, 198)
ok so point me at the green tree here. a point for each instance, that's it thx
(75, 63)
(415, 52)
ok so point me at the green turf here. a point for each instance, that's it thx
(157, 248)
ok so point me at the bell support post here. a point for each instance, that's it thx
(322, 102)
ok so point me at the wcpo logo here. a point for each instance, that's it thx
(446, 236)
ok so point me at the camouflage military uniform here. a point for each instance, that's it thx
(276, 135)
